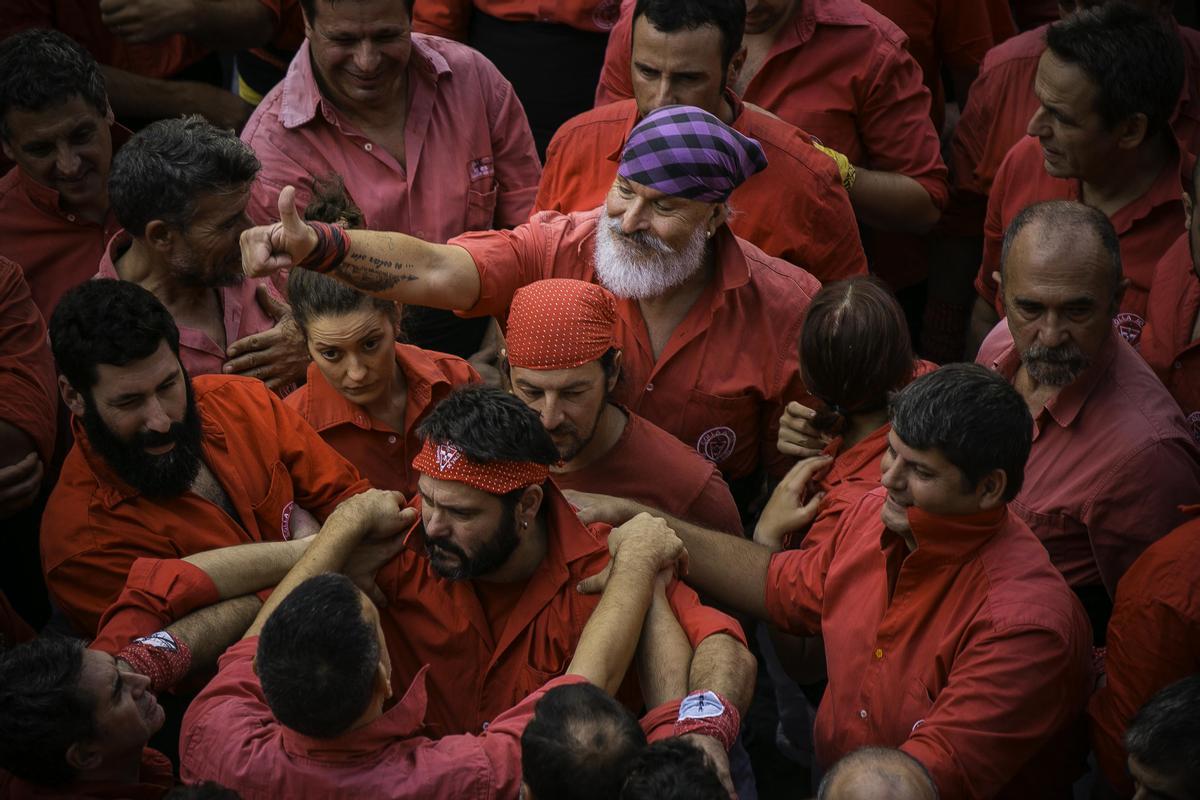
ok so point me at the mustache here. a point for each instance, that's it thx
(643, 239)
(1062, 354)
(445, 545)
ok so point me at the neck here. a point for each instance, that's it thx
(860, 426)
(124, 770)
(390, 407)
(608, 430)
(686, 292)
(1128, 176)
(724, 110)
(1036, 395)
(142, 265)
(526, 559)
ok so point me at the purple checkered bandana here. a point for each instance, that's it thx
(685, 152)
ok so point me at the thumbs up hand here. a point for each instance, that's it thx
(266, 249)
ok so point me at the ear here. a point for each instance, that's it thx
(308, 28)
(84, 757)
(616, 371)
(529, 504)
(505, 370)
(717, 218)
(159, 235)
(8, 151)
(526, 793)
(1132, 132)
(990, 489)
(109, 116)
(1119, 295)
(383, 680)
(72, 398)
(735, 66)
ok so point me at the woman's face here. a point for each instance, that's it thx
(355, 352)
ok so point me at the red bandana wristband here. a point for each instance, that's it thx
(333, 244)
(445, 462)
(709, 714)
(160, 657)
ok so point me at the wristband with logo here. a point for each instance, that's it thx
(709, 714)
(333, 244)
(161, 657)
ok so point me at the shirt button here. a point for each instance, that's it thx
(71, 217)
(485, 726)
(1178, 365)
(862, 714)
(878, 653)
(649, 387)
(368, 147)
(391, 440)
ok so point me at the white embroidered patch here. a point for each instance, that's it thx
(446, 456)
(716, 444)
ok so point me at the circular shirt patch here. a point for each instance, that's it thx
(1194, 421)
(716, 444)
(285, 521)
(606, 13)
(1129, 326)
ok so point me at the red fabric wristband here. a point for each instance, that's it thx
(709, 714)
(333, 243)
(161, 657)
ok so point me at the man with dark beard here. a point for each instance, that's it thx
(160, 468)
(486, 591)
(563, 362)
(1112, 459)
(691, 294)
(180, 188)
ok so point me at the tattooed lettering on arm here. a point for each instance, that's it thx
(376, 274)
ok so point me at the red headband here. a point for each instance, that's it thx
(445, 462)
(560, 324)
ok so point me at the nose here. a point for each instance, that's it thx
(356, 370)
(662, 95)
(434, 521)
(893, 474)
(66, 161)
(366, 57)
(1052, 330)
(137, 682)
(157, 418)
(634, 218)
(1039, 124)
(552, 414)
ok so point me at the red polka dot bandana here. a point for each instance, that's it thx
(445, 462)
(560, 324)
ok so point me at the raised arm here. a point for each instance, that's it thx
(664, 654)
(393, 266)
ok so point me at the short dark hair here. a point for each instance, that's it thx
(40, 69)
(42, 709)
(1164, 734)
(167, 166)
(672, 769)
(317, 658)
(579, 744)
(331, 202)
(1059, 215)
(854, 347)
(314, 295)
(1132, 56)
(671, 16)
(105, 321)
(972, 416)
(310, 7)
(488, 425)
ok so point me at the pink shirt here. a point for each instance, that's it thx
(230, 736)
(470, 163)
(1111, 463)
(242, 313)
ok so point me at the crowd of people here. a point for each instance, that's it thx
(598, 400)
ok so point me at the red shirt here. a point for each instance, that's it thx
(451, 18)
(651, 466)
(265, 457)
(1146, 227)
(969, 653)
(1153, 641)
(1169, 341)
(28, 379)
(1002, 102)
(469, 161)
(157, 592)
(155, 780)
(56, 249)
(957, 33)
(1096, 508)
(382, 455)
(230, 736)
(701, 389)
(13, 629)
(242, 315)
(796, 209)
(81, 20)
(840, 71)
(475, 676)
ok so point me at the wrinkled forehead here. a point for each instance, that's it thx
(453, 494)
(141, 376)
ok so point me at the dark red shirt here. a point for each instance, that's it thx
(28, 379)
(1170, 341)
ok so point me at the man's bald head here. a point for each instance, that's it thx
(875, 772)
(1080, 238)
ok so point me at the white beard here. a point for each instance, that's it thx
(640, 265)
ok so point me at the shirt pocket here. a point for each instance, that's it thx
(915, 707)
(481, 194)
(722, 429)
(273, 511)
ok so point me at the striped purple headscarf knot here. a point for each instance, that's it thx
(685, 152)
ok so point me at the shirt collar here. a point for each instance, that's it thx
(402, 721)
(302, 97)
(951, 539)
(325, 407)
